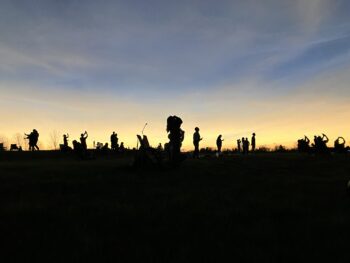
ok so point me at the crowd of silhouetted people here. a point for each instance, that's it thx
(244, 144)
(319, 145)
(173, 148)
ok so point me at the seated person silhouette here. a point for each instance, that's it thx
(121, 148)
(65, 147)
(146, 156)
(339, 145)
(78, 148)
(14, 147)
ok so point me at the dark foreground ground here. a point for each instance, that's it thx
(263, 208)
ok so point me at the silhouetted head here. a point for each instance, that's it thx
(82, 135)
(196, 129)
(173, 123)
(253, 133)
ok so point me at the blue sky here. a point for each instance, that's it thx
(71, 63)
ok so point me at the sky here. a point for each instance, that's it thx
(279, 68)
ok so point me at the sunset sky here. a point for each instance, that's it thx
(279, 68)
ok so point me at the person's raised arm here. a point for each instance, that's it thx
(325, 136)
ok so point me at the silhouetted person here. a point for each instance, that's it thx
(239, 149)
(121, 148)
(105, 147)
(339, 145)
(83, 138)
(65, 140)
(219, 144)
(324, 141)
(33, 138)
(176, 137)
(114, 141)
(160, 147)
(78, 149)
(243, 145)
(320, 144)
(304, 145)
(65, 147)
(253, 142)
(14, 147)
(196, 139)
(246, 146)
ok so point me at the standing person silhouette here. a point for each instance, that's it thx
(243, 145)
(176, 136)
(33, 138)
(196, 139)
(29, 138)
(83, 138)
(246, 146)
(65, 140)
(253, 142)
(219, 143)
(239, 149)
(114, 141)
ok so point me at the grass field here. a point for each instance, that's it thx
(258, 208)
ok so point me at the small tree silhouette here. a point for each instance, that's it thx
(55, 138)
(18, 138)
